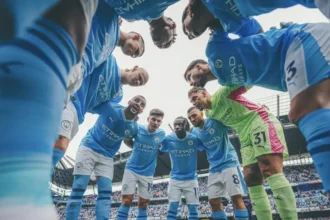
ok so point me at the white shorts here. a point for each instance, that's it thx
(228, 182)
(75, 79)
(189, 189)
(307, 60)
(69, 122)
(88, 161)
(130, 180)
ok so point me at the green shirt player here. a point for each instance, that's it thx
(263, 145)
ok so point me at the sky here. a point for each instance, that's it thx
(167, 89)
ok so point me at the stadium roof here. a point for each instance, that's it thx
(63, 177)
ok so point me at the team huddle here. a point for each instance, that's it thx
(57, 65)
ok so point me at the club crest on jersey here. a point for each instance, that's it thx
(125, 187)
(218, 63)
(211, 131)
(127, 132)
(190, 142)
(66, 125)
(157, 139)
(79, 165)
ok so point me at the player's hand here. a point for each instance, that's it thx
(163, 32)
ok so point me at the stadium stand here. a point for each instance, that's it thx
(312, 201)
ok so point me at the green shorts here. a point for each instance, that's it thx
(265, 137)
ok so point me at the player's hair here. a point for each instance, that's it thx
(192, 65)
(194, 7)
(140, 97)
(142, 41)
(186, 123)
(191, 109)
(156, 112)
(195, 90)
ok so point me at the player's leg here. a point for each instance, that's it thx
(128, 189)
(144, 192)
(308, 72)
(270, 147)
(233, 184)
(17, 15)
(271, 168)
(215, 190)
(68, 129)
(32, 88)
(191, 193)
(174, 197)
(33, 77)
(85, 161)
(324, 7)
(103, 170)
(75, 17)
(254, 181)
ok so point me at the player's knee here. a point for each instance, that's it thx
(317, 96)
(270, 164)
(126, 201)
(253, 179)
(62, 143)
(238, 202)
(216, 204)
(143, 203)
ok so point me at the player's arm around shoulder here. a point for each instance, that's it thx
(129, 142)
(163, 147)
(199, 143)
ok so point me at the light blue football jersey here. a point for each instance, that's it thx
(231, 19)
(253, 60)
(103, 38)
(144, 155)
(147, 10)
(220, 152)
(183, 155)
(110, 129)
(257, 7)
(103, 85)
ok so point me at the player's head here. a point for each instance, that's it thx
(181, 126)
(163, 32)
(200, 98)
(195, 116)
(195, 75)
(136, 105)
(155, 119)
(134, 77)
(132, 44)
(196, 18)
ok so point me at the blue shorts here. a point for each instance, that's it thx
(33, 72)
(17, 15)
(308, 57)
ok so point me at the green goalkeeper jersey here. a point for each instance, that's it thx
(230, 107)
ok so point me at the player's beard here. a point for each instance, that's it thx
(203, 81)
(180, 134)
